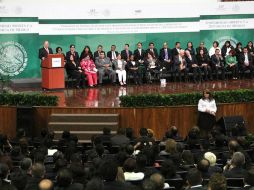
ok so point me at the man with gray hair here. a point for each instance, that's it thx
(234, 168)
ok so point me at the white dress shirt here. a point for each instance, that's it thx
(207, 105)
(132, 176)
(246, 60)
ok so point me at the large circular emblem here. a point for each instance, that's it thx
(13, 58)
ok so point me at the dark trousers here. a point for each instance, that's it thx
(179, 73)
(244, 68)
(207, 71)
(136, 75)
(217, 69)
(233, 69)
(197, 75)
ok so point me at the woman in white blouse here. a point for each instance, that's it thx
(207, 110)
(119, 66)
(212, 49)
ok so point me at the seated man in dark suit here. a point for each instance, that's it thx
(112, 54)
(180, 66)
(176, 49)
(203, 166)
(192, 65)
(246, 62)
(73, 53)
(43, 52)
(152, 49)
(126, 53)
(38, 172)
(166, 58)
(120, 138)
(97, 53)
(139, 55)
(194, 179)
(234, 168)
(104, 66)
(217, 64)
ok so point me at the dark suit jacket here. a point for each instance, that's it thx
(174, 52)
(177, 62)
(76, 56)
(192, 51)
(192, 61)
(162, 54)
(215, 61)
(119, 140)
(124, 54)
(96, 54)
(44, 53)
(242, 58)
(235, 173)
(109, 55)
(130, 65)
(115, 185)
(155, 52)
(138, 56)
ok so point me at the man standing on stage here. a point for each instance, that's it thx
(43, 52)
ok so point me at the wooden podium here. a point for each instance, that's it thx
(52, 72)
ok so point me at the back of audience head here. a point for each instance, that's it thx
(108, 170)
(129, 149)
(121, 131)
(99, 149)
(95, 184)
(219, 140)
(168, 169)
(233, 146)
(26, 164)
(106, 131)
(18, 179)
(211, 157)
(129, 165)
(63, 178)
(66, 135)
(238, 159)
(159, 180)
(141, 160)
(46, 184)
(217, 182)
(187, 157)
(194, 177)
(150, 133)
(129, 132)
(203, 165)
(38, 170)
(143, 132)
(60, 164)
(58, 155)
(170, 146)
(76, 158)
(149, 184)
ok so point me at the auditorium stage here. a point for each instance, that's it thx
(108, 95)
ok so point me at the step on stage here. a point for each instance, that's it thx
(108, 95)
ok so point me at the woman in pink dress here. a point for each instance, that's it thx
(89, 68)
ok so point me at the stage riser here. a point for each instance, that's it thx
(83, 125)
(84, 118)
(82, 136)
(71, 126)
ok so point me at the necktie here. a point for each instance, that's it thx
(47, 50)
(127, 54)
(166, 54)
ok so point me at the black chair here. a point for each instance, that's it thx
(235, 182)
(177, 183)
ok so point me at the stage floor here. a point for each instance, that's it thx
(108, 95)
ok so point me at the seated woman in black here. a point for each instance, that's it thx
(152, 67)
(204, 64)
(133, 69)
(74, 71)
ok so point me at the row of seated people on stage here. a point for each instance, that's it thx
(143, 65)
(123, 161)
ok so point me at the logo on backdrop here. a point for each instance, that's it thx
(13, 58)
(223, 39)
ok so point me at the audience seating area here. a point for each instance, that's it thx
(122, 161)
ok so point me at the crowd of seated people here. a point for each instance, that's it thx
(125, 161)
(194, 64)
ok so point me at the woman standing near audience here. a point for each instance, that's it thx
(207, 110)
(88, 66)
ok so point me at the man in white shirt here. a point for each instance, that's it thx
(112, 54)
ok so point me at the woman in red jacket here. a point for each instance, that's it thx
(89, 68)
